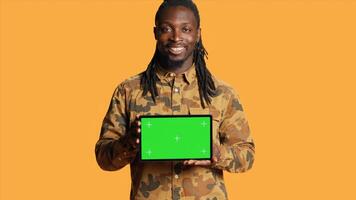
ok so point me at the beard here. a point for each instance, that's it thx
(172, 64)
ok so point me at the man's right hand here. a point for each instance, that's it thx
(134, 132)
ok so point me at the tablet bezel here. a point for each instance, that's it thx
(178, 116)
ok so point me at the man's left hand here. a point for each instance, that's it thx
(199, 162)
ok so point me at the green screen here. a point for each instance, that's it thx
(175, 137)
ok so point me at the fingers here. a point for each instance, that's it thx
(138, 117)
(136, 124)
(197, 162)
(134, 132)
(215, 159)
(138, 127)
(203, 162)
(188, 162)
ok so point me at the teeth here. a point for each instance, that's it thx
(176, 50)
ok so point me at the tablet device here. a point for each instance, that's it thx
(176, 137)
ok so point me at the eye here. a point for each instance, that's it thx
(186, 29)
(165, 29)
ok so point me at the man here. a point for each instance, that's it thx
(176, 82)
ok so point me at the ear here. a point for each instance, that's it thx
(198, 34)
(155, 32)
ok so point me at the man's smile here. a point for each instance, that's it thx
(176, 50)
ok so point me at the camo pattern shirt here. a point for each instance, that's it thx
(178, 94)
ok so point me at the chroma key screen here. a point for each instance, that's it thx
(177, 137)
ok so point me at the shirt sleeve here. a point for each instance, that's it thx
(112, 150)
(236, 150)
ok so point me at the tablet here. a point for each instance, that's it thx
(176, 137)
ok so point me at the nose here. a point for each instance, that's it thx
(176, 35)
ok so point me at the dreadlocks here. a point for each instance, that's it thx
(205, 82)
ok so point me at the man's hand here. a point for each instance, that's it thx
(200, 162)
(134, 132)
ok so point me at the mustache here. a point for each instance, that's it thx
(175, 44)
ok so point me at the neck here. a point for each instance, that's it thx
(176, 67)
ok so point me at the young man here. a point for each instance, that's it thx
(176, 82)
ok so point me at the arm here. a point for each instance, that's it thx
(113, 149)
(236, 150)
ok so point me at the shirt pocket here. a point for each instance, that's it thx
(205, 111)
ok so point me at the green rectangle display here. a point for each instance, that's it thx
(176, 137)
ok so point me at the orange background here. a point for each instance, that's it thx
(292, 62)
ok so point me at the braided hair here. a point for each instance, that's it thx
(205, 82)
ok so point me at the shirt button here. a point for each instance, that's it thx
(176, 176)
(176, 90)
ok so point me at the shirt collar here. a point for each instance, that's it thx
(189, 75)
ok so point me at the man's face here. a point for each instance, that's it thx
(176, 33)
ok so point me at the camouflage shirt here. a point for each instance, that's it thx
(178, 94)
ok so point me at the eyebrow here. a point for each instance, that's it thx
(182, 24)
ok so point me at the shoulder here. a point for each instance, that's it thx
(129, 85)
(229, 95)
(223, 88)
(132, 82)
